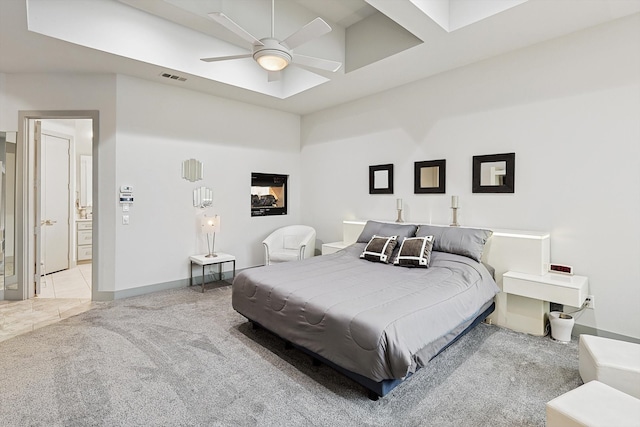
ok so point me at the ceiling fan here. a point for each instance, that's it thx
(274, 55)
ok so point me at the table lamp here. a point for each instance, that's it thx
(210, 226)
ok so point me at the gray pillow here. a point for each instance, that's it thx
(467, 242)
(379, 249)
(372, 228)
(415, 252)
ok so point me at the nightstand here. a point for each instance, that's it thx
(333, 247)
(203, 260)
(529, 296)
(558, 288)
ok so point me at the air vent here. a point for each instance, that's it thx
(173, 77)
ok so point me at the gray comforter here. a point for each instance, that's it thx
(378, 320)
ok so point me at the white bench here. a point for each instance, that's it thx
(612, 362)
(593, 404)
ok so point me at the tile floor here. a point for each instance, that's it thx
(63, 294)
(72, 283)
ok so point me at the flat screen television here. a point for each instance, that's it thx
(268, 194)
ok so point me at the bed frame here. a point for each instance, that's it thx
(506, 250)
(380, 388)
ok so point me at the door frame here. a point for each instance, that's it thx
(25, 200)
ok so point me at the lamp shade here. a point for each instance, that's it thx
(210, 224)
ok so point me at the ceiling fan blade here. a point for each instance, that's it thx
(313, 62)
(312, 30)
(274, 76)
(225, 58)
(226, 22)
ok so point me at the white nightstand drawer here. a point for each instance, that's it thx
(558, 288)
(84, 252)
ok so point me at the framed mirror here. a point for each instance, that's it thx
(8, 255)
(381, 179)
(202, 197)
(429, 177)
(494, 173)
(192, 170)
(86, 184)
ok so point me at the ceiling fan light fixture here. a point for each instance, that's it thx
(272, 54)
(272, 60)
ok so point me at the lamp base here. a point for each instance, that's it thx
(399, 219)
(454, 223)
(211, 247)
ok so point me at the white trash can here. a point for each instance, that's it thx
(561, 326)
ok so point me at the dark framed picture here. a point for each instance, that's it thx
(429, 177)
(494, 173)
(381, 179)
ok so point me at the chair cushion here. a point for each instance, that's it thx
(613, 362)
(283, 255)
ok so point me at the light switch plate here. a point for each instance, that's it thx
(125, 219)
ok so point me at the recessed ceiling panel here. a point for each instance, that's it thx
(113, 27)
(374, 38)
(455, 14)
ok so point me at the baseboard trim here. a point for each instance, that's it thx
(588, 330)
(143, 290)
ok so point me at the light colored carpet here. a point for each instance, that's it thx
(182, 358)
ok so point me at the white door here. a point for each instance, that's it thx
(54, 203)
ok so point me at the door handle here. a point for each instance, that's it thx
(47, 222)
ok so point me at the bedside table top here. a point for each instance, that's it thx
(204, 260)
(555, 279)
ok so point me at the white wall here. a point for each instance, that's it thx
(159, 126)
(568, 108)
(30, 92)
(143, 144)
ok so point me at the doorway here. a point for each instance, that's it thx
(30, 266)
(63, 159)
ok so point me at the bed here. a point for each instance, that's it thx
(375, 320)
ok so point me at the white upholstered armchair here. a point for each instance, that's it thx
(289, 243)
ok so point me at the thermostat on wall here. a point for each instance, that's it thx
(559, 268)
(126, 194)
